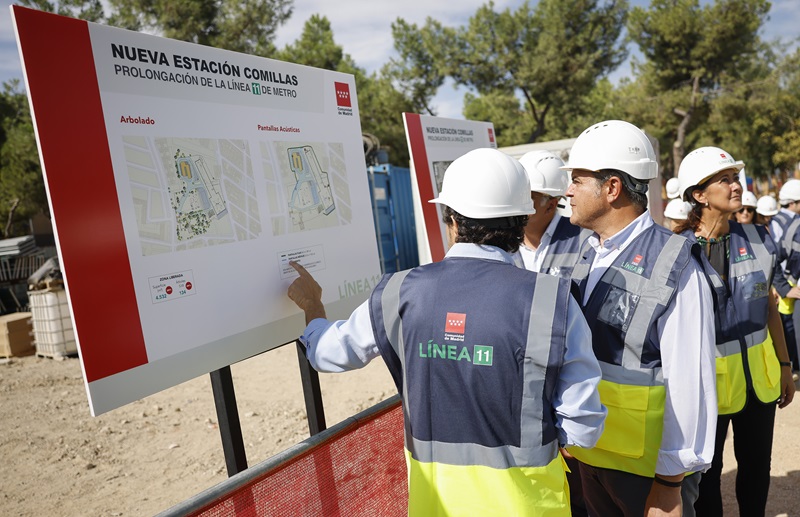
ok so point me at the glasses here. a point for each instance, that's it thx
(747, 209)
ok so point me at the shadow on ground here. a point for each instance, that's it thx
(784, 494)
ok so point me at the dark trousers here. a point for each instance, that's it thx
(789, 324)
(576, 500)
(613, 493)
(752, 446)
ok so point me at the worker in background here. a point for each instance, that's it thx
(673, 188)
(649, 306)
(677, 210)
(493, 363)
(552, 244)
(752, 362)
(784, 231)
(747, 213)
(766, 208)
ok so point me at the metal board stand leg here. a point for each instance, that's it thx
(311, 392)
(230, 428)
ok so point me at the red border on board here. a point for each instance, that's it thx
(68, 114)
(420, 156)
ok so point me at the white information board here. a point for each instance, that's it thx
(182, 181)
(434, 142)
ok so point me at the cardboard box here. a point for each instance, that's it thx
(15, 335)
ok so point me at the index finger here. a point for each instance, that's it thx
(300, 269)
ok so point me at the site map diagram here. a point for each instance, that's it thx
(190, 192)
(308, 189)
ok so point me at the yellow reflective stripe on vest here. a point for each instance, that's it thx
(439, 490)
(633, 428)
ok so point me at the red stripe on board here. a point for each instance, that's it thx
(420, 156)
(62, 85)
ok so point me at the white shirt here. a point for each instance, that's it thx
(350, 344)
(532, 258)
(687, 340)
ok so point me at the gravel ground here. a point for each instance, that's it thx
(151, 454)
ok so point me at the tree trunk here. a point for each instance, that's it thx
(678, 148)
(539, 118)
(14, 205)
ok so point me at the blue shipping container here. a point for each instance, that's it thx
(393, 212)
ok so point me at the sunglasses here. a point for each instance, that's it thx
(747, 209)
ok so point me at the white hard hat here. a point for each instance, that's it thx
(701, 164)
(545, 173)
(749, 199)
(790, 191)
(673, 188)
(486, 183)
(677, 209)
(617, 145)
(767, 206)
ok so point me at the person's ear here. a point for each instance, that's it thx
(613, 189)
(699, 197)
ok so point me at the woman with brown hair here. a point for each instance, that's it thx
(754, 374)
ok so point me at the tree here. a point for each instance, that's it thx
(787, 142)
(420, 70)
(380, 103)
(689, 50)
(758, 118)
(22, 193)
(89, 10)
(526, 63)
(240, 25)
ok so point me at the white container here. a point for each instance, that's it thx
(52, 326)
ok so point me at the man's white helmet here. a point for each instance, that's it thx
(790, 191)
(749, 199)
(673, 188)
(615, 144)
(545, 173)
(701, 164)
(677, 210)
(767, 206)
(486, 183)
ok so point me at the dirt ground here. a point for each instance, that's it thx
(149, 455)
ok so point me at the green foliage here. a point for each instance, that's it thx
(22, 193)
(696, 57)
(89, 10)
(316, 47)
(381, 107)
(240, 25)
(380, 103)
(420, 69)
(503, 110)
(546, 57)
(538, 73)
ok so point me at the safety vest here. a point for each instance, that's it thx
(564, 250)
(623, 312)
(745, 354)
(789, 255)
(475, 347)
